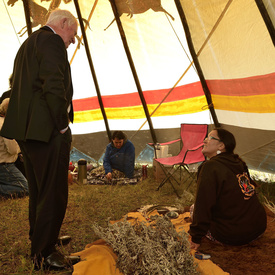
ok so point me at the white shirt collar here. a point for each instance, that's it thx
(51, 28)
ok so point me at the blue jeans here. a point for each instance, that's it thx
(12, 181)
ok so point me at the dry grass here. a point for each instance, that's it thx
(269, 205)
(87, 204)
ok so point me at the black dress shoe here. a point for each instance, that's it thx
(55, 261)
(63, 240)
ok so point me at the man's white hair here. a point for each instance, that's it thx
(58, 14)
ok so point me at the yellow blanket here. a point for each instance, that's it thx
(98, 258)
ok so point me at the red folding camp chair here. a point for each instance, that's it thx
(192, 137)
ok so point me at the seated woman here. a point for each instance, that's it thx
(119, 155)
(12, 181)
(226, 208)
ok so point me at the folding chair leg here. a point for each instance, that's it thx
(168, 175)
(190, 176)
(174, 189)
(192, 179)
(168, 179)
(162, 183)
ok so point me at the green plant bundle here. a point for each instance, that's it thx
(155, 248)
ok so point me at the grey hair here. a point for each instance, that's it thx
(58, 14)
(4, 106)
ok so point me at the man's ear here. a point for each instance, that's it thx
(63, 21)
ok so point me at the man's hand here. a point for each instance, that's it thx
(64, 130)
(109, 176)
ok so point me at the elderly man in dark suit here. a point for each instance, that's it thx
(38, 118)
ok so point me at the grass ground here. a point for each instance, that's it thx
(88, 204)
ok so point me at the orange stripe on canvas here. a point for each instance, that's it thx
(133, 99)
(256, 85)
(250, 86)
(189, 106)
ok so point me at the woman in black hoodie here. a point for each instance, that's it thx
(226, 208)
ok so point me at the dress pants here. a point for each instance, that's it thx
(46, 166)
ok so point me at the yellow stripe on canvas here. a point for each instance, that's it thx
(189, 106)
(247, 104)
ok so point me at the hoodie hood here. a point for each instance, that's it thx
(231, 161)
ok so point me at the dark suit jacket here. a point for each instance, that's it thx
(42, 89)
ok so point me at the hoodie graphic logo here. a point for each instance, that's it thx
(247, 188)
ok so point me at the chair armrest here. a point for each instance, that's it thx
(165, 143)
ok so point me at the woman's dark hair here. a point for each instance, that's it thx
(227, 138)
(118, 135)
